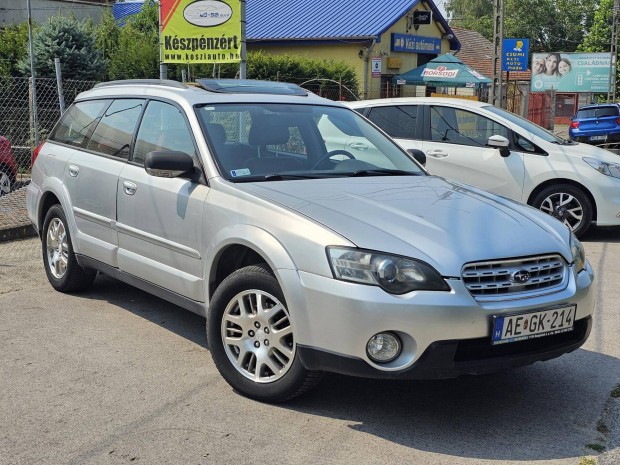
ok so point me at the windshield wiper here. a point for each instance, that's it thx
(285, 177)
(383, 172)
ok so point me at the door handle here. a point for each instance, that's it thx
(129, 187)
(74, 171)
(358, 146)
(437, 153)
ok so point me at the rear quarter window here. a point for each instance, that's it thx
(78, 121)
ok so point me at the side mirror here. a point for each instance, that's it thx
(419, 156)
(168, 164)
(501, 143)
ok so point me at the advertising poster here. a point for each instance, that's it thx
(570, 72)
(514, 54)
(200, 31)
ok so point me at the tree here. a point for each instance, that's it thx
(598, 38)
(70, 41)
(13, 47)
(551, 25)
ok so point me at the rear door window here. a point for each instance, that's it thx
(398, 120)
(113, 134)
(78, 121)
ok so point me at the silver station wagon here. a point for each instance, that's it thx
(222, 198)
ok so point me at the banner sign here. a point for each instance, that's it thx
(570, 72)
(376, 67)
(514, 54)
(200, 31)
(440, 72)
(415, 44)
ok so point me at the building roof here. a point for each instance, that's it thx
(293, 20)
(477, 52)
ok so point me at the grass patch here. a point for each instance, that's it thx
(615, 393)
(587, 461)
(596, 447)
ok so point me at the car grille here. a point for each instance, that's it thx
(515, 278)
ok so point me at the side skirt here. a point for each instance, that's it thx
(172, 297)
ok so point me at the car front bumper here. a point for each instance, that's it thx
(443, 334)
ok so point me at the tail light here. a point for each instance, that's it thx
(618, 121)
(35, 154)
(575, 124)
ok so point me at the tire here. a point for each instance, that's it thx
(270, 369)
(6, 183)
(61, 266)
(567, 203)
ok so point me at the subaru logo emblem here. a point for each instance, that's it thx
(520, 277)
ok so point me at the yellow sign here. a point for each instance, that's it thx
(200, 31)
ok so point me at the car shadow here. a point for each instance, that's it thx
(542, 412)
(602, 234)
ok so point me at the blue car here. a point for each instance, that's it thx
(596, 124)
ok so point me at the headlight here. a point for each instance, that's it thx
(394, 274)
(608, 169)
(578, 252)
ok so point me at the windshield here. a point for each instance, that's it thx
(525, 124)
(289, 141)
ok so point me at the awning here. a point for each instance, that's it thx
(444, 71)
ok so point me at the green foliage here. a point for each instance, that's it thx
(107, 35)
(551, 25)
(70, 41)
(13, 47)
(598, 38)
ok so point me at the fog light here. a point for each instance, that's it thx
(383, 347)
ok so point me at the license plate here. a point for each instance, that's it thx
(513, 328)
(603, 137)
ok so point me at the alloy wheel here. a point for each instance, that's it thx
(57, 246)
(565, 207)
(257, 336)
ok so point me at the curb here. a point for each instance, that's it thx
(17, 232)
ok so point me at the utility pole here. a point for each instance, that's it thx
(497, 91)
(611, 93)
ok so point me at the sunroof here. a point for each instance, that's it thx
(250, 86)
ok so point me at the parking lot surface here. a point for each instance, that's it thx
(114, 375)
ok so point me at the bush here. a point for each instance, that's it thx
(70, 41)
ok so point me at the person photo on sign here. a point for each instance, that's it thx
(538, 65)
(551, 64)
(564, 67)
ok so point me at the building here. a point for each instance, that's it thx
(379, 39)
(16, 11)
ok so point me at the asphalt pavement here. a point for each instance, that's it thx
(114, 375)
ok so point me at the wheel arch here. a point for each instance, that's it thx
(240, 246)
(557, 181)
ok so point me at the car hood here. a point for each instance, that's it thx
(586, 150)
(441, 222)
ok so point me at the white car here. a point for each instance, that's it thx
(487, 147)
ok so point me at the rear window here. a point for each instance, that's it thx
(597, 112)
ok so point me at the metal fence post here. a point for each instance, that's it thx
(61, 98)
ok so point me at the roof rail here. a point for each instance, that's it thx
(152, 82)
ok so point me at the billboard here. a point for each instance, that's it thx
(514, 54)
(202, 31)
(570, 72)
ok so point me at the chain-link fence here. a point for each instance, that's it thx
(17, 142)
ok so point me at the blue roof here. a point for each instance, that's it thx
(281, 20)
(285, 20)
